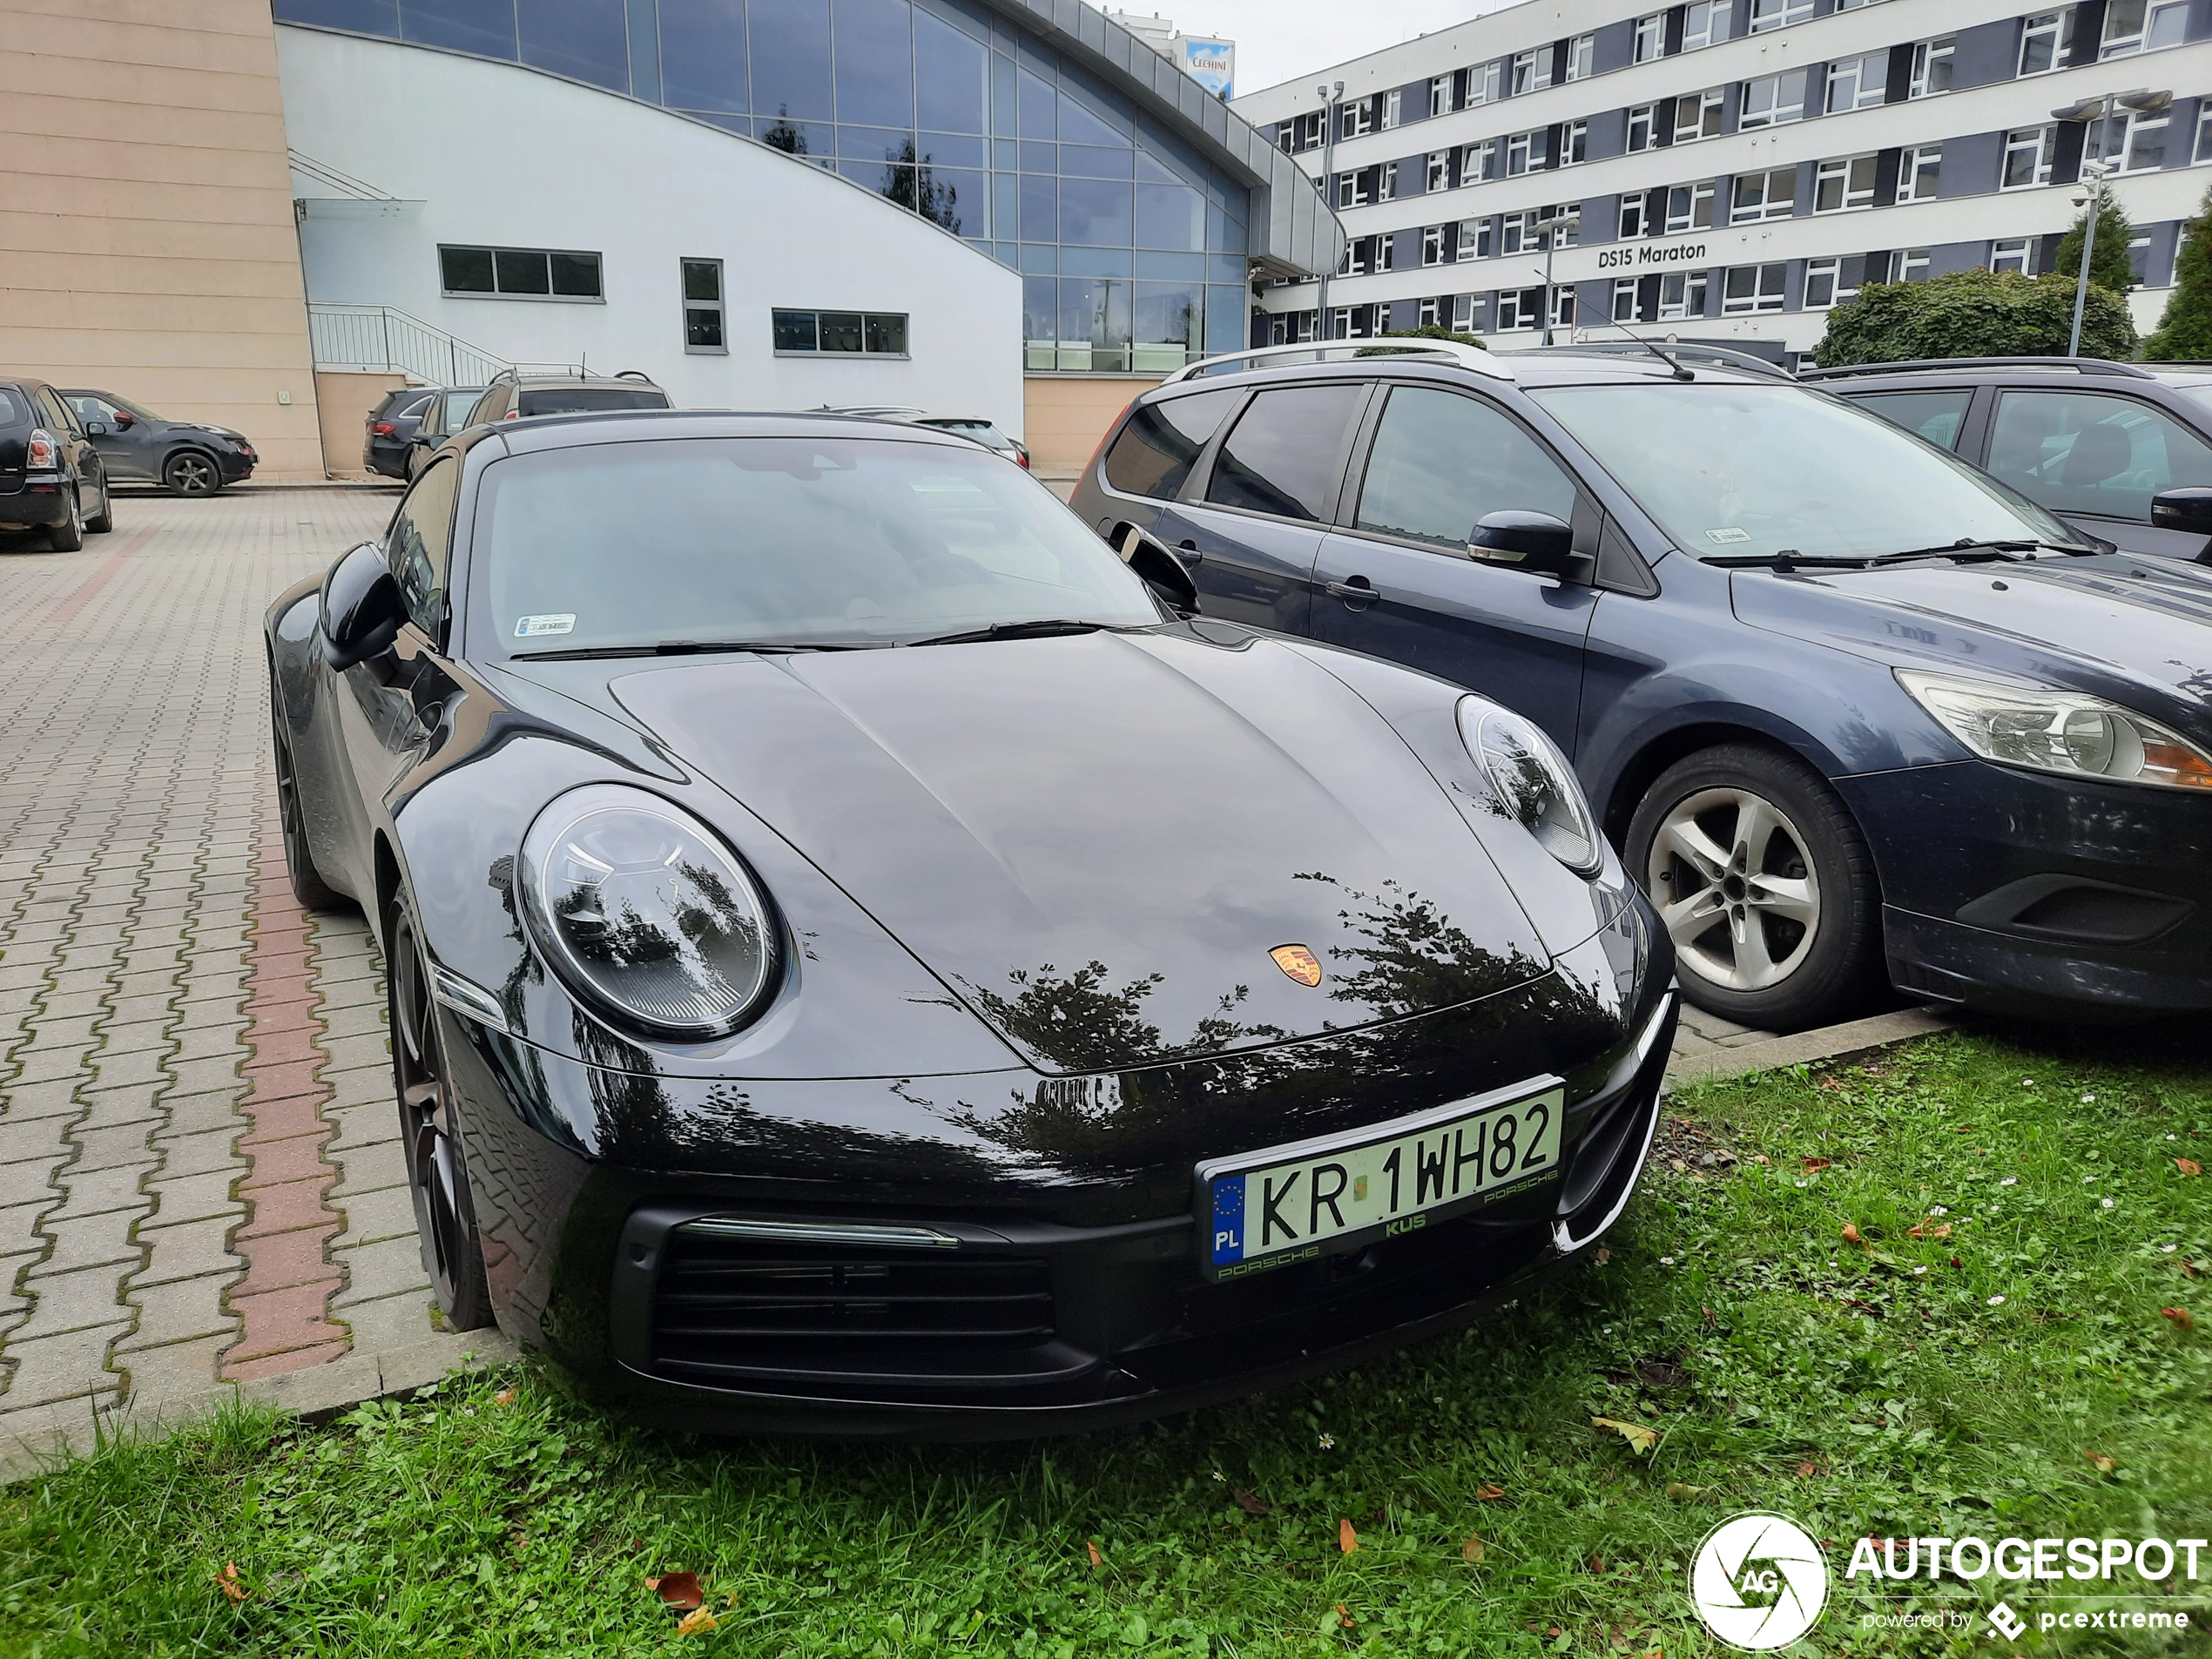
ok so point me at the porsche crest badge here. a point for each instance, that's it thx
(1299, 963)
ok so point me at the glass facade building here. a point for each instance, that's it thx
(1133, 246)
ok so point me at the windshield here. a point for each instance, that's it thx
(782, 541)
(458, 404)
(1733, 470)
(580, 400)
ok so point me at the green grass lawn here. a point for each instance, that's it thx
(1785, 1367)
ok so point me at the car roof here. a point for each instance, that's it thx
(619, 426)
(2078, 370)
(539, 382)
(1555, 367)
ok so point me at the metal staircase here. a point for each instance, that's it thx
(382, 340)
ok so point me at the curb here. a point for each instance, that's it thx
(1828, 1042)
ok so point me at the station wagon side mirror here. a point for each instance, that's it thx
(2187, 508)
(1529, 540)
(1162, 572)
(361, 607)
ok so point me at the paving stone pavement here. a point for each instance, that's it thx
(179, 1044)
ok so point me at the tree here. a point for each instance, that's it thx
(1974, 313)
(2185, 331)
(2110, 266)
(1431, 331)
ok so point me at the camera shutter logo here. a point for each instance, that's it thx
(1758, 1581)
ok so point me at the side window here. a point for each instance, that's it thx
(1157, 449)
(2090, 452)
(1442, 462)
(57, 413)
(1936, 416)
(420, 541)
(92, 408)
(1283, 455)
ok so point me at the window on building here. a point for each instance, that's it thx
(1563, 306)
(1386, 252)
(2139, 25)
(1825, 285)
(2203, 152)
(2013, 253)
(2135, 142)
(1919, 173)
(1682, 293)
(1310, 131)
(1565, 221)
(1432, 244)
(1574, 142)
(1394, 106)
(703, 307)
(1474, 238)
(1778, 14)
(1440, 170)
(1763, 195)
(1425, 317)
(1532, 71)
(1624, 300)
(1355, 189)
(1463, 312)
(1582, 57)
(1651, 38)
(1643, 128)
(2047, 41)
(1748, 288)
(1857, 83)
(1387, 182)
(1440, 95)
(1705, 24)
(873, 334)
(1932, 61)
(1478, 162)
(1698, 115)
(1773, 99)
(1635, 217)
(1285, 329)
(1517, 232)
(1357, 118)
(2030, 153)
(1912, 264)
(518, 273)
(1340, 323)
(1689, 207)
(1520, 309)
(1527, 152)
(1844, 184)
(1482, 83)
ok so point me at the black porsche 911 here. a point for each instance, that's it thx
(865, 959)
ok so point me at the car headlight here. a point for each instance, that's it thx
(1533, 782)
(2050, 730)
(644, 912)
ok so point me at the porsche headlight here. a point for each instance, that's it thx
(2050, 730)
(644, 912)
(1533, 781)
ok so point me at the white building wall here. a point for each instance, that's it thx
(492, 154)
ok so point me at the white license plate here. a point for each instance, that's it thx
(1291, 1203)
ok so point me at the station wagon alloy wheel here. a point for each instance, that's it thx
(1730, 874)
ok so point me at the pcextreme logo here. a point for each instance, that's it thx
(1758, 1581)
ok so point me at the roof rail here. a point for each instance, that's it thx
(1473, 357)
(1940, 365)
(1681, 351)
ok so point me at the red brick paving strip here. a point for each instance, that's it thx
(283, 1303)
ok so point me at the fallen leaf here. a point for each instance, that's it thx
(2188, 1166)
(1711, 1323)
(1807, 1469)
(1347, 1540)
(677, 1589)
(2179, 1317)
(1678, 1492)
(228, 1582)
(2191, 1269)
(1851, 1235)
(1639, 1438)
(1251, 1502)
(1554, 1631)
(1929, 1229)
(1955, 1262)
(1096, 1559)
(1598, 1565)
(2103, 1463)
(1345, 1618)
(1761, 1158)
(1472, 1550)
(698, 1622)
(1483, 1494)
(1817, 1163)
(1603, 1256)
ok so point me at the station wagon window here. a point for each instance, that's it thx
(2091, 452)
(518, 273)
(1442, 461)
(1936, 416)
(1162, 442)
(1282, 456)
(419, 543)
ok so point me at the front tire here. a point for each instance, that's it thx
(67, 535)
(190, 473)
(1765, 884)
(307, 885)
(445, 1213)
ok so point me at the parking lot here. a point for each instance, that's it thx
(200, 1173)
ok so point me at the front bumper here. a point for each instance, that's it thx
(236, 465)
(1026, 1323)
(2028, 893)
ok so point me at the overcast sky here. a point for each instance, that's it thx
(1278, 40)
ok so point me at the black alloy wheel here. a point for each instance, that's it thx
(69, 536)
(191, 473)
(307, 885)
(445, 1215)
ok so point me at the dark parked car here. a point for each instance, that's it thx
(512, 397)
(52, 477)
(446, 413)
(1850, 708)
(2097, 443)
(138, 445)
(390, 427)
(862, 960)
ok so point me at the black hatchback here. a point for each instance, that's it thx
(1852, 709)
(52, 478)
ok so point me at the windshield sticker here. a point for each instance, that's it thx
(1729, 533)
(562, 622)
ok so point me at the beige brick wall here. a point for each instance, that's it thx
(1063, 416)
(344, 398)
(146, 237)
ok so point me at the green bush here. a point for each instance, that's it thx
(2185, 331)
(1974, 313)
(1431, 331)
(2110, 266)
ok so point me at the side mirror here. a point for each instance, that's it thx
(1162, 572)
(2187, 508)
(95, 428)
(1528, 541)
(361, 607)
(125, 418)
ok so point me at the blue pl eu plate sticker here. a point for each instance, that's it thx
(554, 622)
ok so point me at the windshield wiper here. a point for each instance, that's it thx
(1035, 628)
(1965, 548)
(682, 648)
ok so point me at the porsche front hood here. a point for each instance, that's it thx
(1097, 840)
